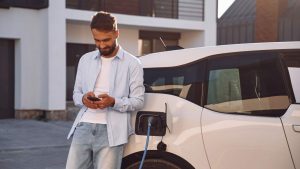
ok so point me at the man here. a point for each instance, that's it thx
(115, 78)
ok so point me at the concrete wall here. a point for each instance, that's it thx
(40, 66)
(56, 61)
(29, 29)
(192, 39)
(79, 33)
(129, 40)
(210, 18)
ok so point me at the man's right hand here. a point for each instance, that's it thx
(88, 103)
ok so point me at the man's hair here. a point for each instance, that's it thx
(104, 21)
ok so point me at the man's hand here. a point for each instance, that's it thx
(88, 103)
(106, 101)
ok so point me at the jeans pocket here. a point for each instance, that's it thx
(79, 124)
(81, 133)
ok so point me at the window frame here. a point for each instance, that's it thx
(204, 63)
(283, 69)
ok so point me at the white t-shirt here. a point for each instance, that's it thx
(101, 87)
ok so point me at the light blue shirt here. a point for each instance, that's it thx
(126, 86)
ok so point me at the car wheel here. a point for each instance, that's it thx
(155, 160)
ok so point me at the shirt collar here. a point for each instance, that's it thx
(120, 53)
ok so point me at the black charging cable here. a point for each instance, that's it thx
(147, 141)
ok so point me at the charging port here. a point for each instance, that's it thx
(158, 123)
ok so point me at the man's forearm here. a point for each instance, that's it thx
(126, 104)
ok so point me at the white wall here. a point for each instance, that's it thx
(79, 33)
(191, 39)
(40, 55)
(210, 14)
(129, 40)
(29, 30)
(56, 65)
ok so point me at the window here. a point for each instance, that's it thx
(227, 80)
(292, 61)
(149, 41)
(183, 81)
(291, 58)
(93, 5)
(30, 4)
(158, 8)
(128, 7)
(74, 53)
(247, 83)
(4, 4)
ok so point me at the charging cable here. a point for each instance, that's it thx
(147, 141)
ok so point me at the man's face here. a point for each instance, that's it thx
(105, 41)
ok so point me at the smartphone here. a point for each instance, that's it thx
(92, 98)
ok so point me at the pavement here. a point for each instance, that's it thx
(32, 144)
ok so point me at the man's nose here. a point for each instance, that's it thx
(101, 45)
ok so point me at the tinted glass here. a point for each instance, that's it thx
(31, 4)
(183, 81)
(247, 83)
(292, 61)
(291, 58)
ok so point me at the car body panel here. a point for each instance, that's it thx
(241, 141)
(295, 80)
(291, 123)
(184, 138)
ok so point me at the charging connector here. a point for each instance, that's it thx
(150, 118)
(158, 123)
(150, 124)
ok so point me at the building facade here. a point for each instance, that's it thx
(248, 21)
(41, 42)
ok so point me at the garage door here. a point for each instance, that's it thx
(7, 78)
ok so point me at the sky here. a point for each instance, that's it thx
(223, 5)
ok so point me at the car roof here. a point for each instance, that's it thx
(184, 56)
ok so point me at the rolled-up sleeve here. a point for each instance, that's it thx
(135, 101)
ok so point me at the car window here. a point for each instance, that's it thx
(228, 83)
(292, 61)
(249, 83)
(184, 81)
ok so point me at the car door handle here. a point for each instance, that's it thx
(296, 128)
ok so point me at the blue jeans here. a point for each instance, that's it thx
(90, 148)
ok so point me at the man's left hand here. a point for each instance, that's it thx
(106, 101)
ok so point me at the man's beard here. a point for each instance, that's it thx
(108, 52)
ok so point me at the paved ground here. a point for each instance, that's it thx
(31, 144)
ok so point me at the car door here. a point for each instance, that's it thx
(291, 119)
(245, 98)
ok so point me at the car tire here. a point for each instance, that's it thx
(155, 160)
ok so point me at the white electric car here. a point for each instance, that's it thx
(222, 107)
